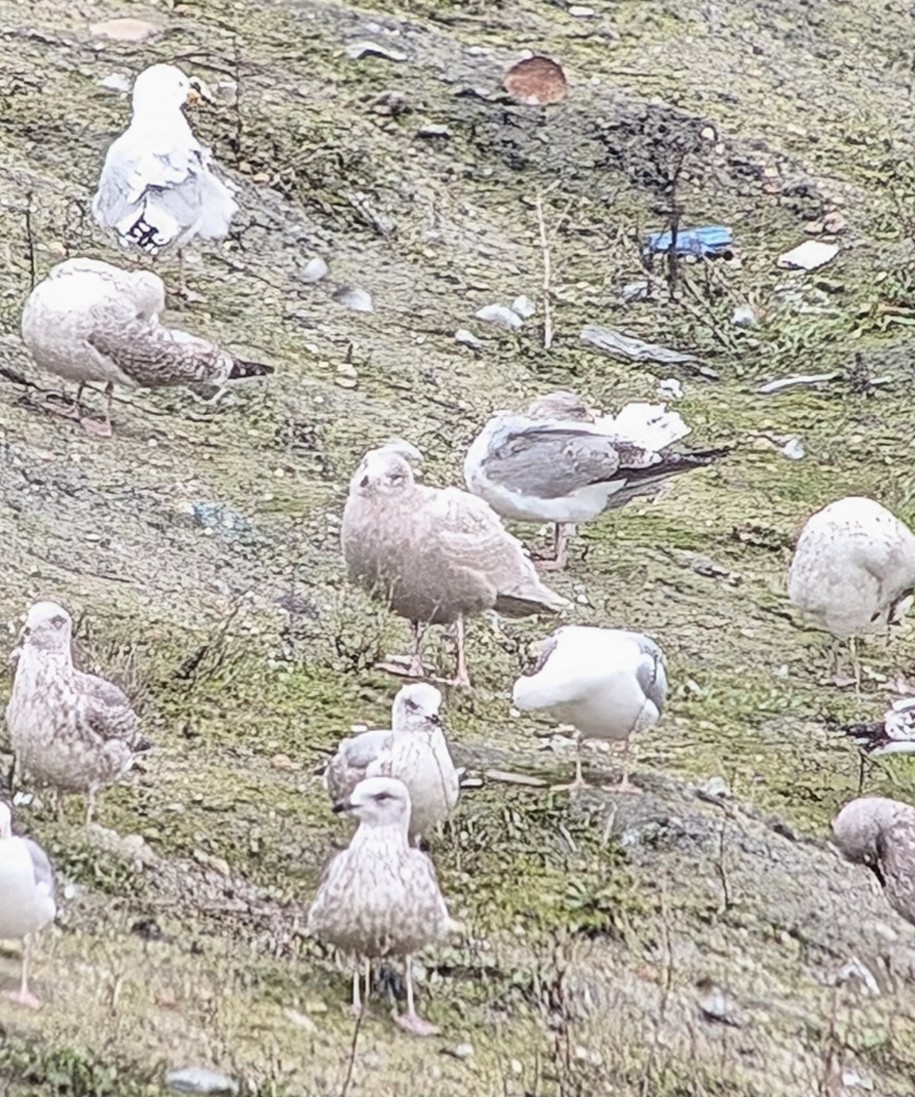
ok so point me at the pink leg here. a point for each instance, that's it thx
(360, 1008)
(23, 996)
(560, 541)
(462, 678)
(411, 1021)
(625, 785)
(579, 781)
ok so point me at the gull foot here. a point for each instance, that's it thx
(23, 998)
(101, 428)
(412, 1022)
(624, 786)
(548, 563)
(405, 666)
(61, 405)
(578, 783)
(358, 1011)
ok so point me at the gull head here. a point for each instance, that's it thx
(560, 405)
(382, 472)
(6, 820)
(857, 828)
(48, 626)
(378, 802)
(416, 708)
(162, 89)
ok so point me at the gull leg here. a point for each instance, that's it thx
(356, 1007)
(462, 678)
(855, 663)
(579, 781)
(59, 806)
(411, 1021)
(557, 561)
(100, 428)
(625, 785)
(188, 294)
(64, 409)
(416, 659)
(90, 806)
(23, 995)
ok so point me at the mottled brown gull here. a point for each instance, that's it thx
(70, 731)
(26, 897)
(880, 834)
(606, 683)
(159, 188)
(91, 321)
(434, 555)
(414, 751)
(853, 571)
(557, 462)
(380, 897)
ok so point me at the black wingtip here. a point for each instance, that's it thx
(868, 737)
(242, 368)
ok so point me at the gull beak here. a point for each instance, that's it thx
(198, 93)
(343, 805)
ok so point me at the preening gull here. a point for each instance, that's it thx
(895, 734)
(880, 833)
(70, 731)
(380, 897)
(414, 751)
(557, 462)
(90, 321)
(26, 897)
(158, 188)
(853, 571)
(607, 683)
(434, 555)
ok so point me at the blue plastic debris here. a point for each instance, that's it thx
(709, 242)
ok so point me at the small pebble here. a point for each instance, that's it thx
(500, 316)
(467, 339)
(744, 317)
(354, 298)
(524, 307)
(357, 50)
(670, 389)
(716, 788)
(793, 449)
(315, 270)
(433, 129)
(116, 81)
(124, 30)
(200, 1080)
(459, 1051)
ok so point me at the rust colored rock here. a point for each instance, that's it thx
(536, 81)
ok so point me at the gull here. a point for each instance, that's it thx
(158, 188)
(880, 834)
(26, 897)
(853, 571)
(434, 555)
(555, 461)
(380, 897)
(70, 731)
(414, 751)
(91, 321)
(606, 683)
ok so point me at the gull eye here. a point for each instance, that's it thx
(380, 797)
(412, 705)
(364, 482)
(58, 621)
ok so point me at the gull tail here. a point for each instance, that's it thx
(649, 481)
(535, 599)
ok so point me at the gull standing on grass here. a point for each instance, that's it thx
(880, 834)
(380, 897)
(70, 731)
(555, 461)
(91, 321)
(414, 751)
(606, 683)
(434, 555)
(853, 572)
(26, 897)
(158, 188)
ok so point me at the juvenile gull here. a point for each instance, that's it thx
(414, 751)
(26, 897)
(853, 571)
(607, 683)
(556, 462)
(380, 897)
(880, 834)
(90, 321)
(894, 734)
(158, 188)
(434, 555)
(71, 732)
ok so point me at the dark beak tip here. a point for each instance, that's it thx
(340, 806)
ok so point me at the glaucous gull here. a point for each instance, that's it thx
(158, 188)
(880, 834)
(414, 751)
(26, 897)
(90, 321)
(434, 555)
(853, 571)
(557, 462)
(70, 731)
(380, 897)
(607, 683)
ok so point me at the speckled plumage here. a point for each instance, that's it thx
(70, 731)
(158, 188)
(880, 833)
(414, 751)
(91, 321)
(380, 897)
